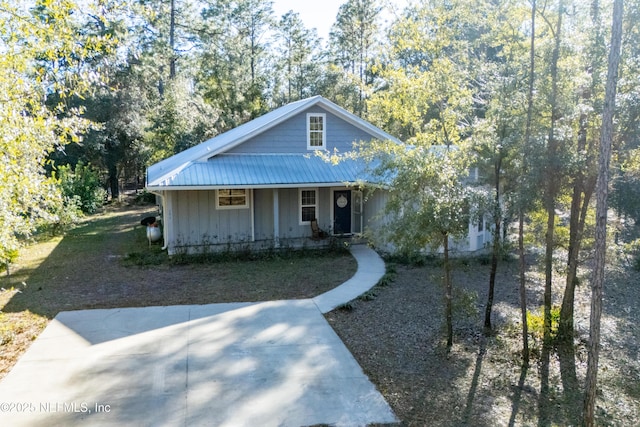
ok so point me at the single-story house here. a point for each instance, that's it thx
(262, 184)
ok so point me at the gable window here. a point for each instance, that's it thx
(308, 205)
(233, 198)
(316, 131)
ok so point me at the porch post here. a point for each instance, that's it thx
(276, 218)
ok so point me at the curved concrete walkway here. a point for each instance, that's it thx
(274, 363)
(370, 270)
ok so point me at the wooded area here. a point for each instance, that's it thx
(92, 93)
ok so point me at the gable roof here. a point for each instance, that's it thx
(164, 173)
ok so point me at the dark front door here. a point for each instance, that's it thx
(342, 212)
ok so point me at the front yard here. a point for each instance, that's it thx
(397, 336)
(395, 331)
(100, 264)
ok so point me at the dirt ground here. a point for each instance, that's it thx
(398, 338)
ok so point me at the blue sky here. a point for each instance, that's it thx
(319, 15)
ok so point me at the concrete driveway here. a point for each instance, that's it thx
(249, 364)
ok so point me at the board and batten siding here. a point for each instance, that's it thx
(263, 213)
(290, 227)
(290, 136)
(197, 222)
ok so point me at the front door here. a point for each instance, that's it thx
(342, 212)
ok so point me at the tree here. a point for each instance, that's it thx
(299, 59)
(233, 75)
(428, 101)
(180, 120)
(120, 112)
(583, 168)
(42, 66)
(500, 110)
(552, 173)
(429, 202)
(352, 41)
(602, 190)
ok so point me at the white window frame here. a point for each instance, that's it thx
(310, 131)
(224, 207)
(301, 206)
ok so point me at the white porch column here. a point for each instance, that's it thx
(276, 218)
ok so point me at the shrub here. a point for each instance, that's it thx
(535, 323)
(632, 249)
(82, 183)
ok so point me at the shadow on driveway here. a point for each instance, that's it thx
(275, 363)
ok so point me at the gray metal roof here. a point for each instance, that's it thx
(168, 169)
(265, 170)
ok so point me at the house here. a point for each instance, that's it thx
(262, 184)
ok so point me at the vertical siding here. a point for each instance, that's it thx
(263, 213)
(373, 219)
(291, 136)
(196, 221)
(289, 222)
(325, 222)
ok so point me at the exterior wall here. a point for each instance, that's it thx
(263, 213)
(289, 208)
(195, 222)
(374, 218)
(474, 241)
(291, 136)
(192, 222)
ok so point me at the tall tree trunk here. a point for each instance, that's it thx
(448, 309)
(523, 291)
(497, 222)
(552, 178)
(172, 47)
(521, 202)
(113, 181)
(583, 186)
(602, 188)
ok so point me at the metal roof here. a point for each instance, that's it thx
(167, 170)
(265, 170)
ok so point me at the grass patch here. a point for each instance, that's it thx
(156, 256)
(106, 262)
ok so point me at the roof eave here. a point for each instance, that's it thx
(261, 186)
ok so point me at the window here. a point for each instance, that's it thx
(315, 131)
(232, 199)
(308, 205)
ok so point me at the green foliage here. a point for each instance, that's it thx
(535, 323)
(299, 60)
(42, 67)
(155, 256)
(370, 295)
(632, 250)
(181, 120)
(535, 233)
(81, 186)
(465, 304)
(428, 197)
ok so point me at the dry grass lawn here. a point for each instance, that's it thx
(89, 268)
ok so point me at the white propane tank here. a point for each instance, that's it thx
(153, 234)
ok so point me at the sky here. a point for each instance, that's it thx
(320, 15)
